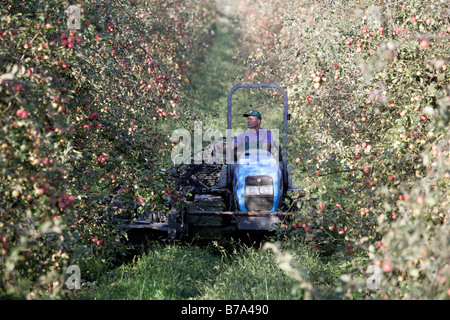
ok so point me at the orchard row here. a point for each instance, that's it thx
(81, 105)
(368, 90)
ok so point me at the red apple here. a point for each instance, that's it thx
(424, 43)
(93, 116)
(387, 267)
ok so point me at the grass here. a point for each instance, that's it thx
(164, 272)
(254, 274)
(238, 272)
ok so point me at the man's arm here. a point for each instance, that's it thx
(267, 145)
(233, 145)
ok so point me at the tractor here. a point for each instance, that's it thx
(245, 195)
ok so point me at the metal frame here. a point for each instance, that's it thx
(285, 120)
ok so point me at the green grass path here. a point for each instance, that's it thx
(176, 272)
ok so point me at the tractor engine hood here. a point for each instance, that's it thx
(257, 182)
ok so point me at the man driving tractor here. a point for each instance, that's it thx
(255, 137)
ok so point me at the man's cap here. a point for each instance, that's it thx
(253, 113)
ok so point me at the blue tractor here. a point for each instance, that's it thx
(243, 195)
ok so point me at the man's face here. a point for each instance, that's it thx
(253, 122)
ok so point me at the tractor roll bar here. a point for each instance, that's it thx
(285, 113)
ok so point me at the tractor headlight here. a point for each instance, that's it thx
(252, 190)
(266, 190)
(261, 190)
